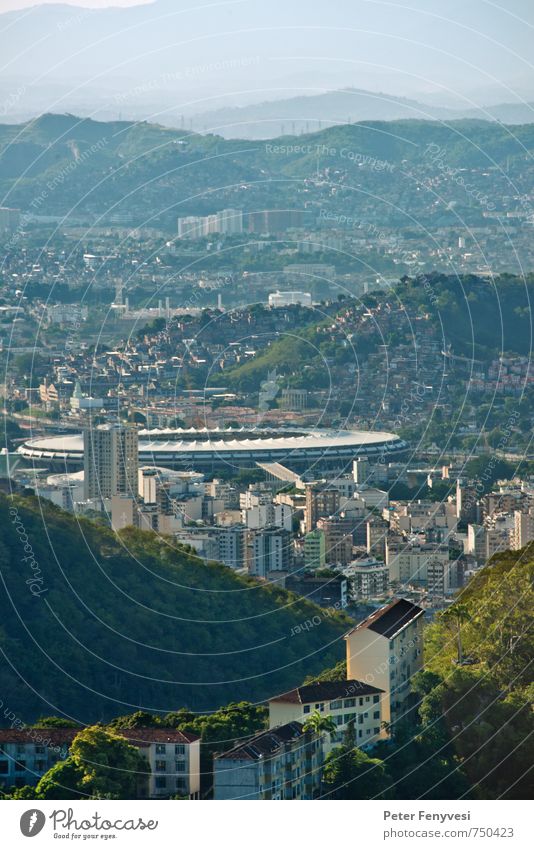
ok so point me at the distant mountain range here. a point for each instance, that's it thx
(314, 112)
(250, 69)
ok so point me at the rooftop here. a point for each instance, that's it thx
(265, 744)
(389, 620)
(64, 736)
(327, 691)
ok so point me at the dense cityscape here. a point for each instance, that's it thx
(266, 466)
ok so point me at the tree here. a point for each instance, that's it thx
(101, 765)
(350, 773)
(56, 722)
(459, 613)
(320, 724)
(139, 719)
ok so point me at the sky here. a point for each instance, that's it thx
(10, 5)
(215, 53)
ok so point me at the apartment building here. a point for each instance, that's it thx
(345, 701)
(327, 591)
(314, 549)
(523, 532)
(231, 545)
(483, 541)
(376, 537)
(338, 539)
(173, 757)
(110, 461)
(322, 499)
(411, 564)
(282, 763)
(269, 550)
(386, 651)
(370, 578)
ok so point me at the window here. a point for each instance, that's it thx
(4, 767)
(306, 709)
(338, 719)
(180, 766)
(161, 782)
(361, 702)
(180, 784)
(20, 766)
(336, 705)
(179, 749)
(160, 748)
(349, 717)
(161, 766)
(367, 698)
(350, 702)
(20, 749)
(320, 707)
(376, 699)
(360, 733)
(360, 719)
(368, 732)
(39, 750)
(376, 714)
(376, 730)
(40, 766)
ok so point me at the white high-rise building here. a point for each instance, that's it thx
(270, 550)
(230, 221)
(226, 221)
(191, 227)
(523, 532)
(110, 461)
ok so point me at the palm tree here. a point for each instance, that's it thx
(320, 724)
(460, 613)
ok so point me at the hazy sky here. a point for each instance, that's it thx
(215, 53)
(9, 5)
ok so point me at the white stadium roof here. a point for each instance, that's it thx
(226, 445)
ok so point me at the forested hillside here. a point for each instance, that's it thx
(64, 164)
(94, 625)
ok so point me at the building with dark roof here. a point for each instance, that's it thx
(386, 650)
(327, 591)
(173, 757)
(282, 763)
(346, 702)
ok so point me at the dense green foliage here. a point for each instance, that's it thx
(350, 773)
(101, 765)
(471, 733)
(135, 621)
(337, 673)
(479, 318)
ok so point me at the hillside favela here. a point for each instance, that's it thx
(266, 463)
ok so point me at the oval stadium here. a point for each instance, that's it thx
(211, 450)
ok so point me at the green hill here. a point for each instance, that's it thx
(475, 317)
(61, 164)
(97, 625)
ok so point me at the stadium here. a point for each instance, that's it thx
(213, 450)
